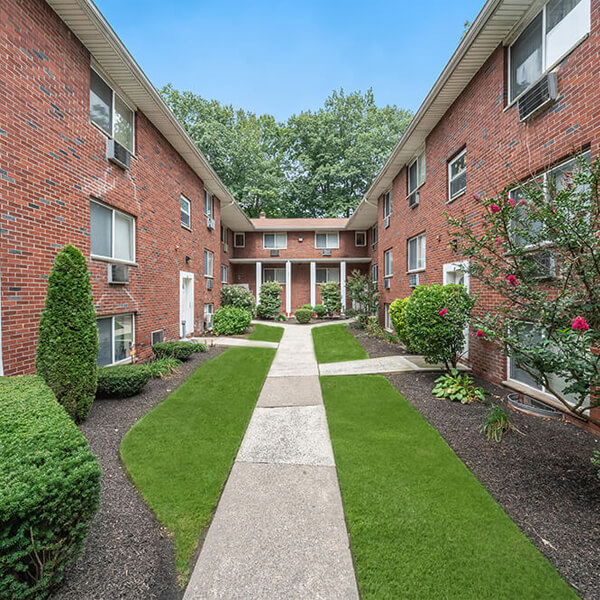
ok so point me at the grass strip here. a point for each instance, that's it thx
(266, 333)
(334, 343)
(421, 525)
(179, 455)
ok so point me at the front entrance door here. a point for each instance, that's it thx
(456, 273)
(186, 303)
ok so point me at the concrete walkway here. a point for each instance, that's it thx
(233, 341)
(279, 529)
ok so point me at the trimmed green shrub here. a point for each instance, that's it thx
(397, 310)
(122, 381)
(307, 307)
(270, 300)
(320, 311)
(281, 318)
(238, 296)
(200, 347)
(331, 297)
(163, 367)
(230, 320)
(67, 348)
(303, 315)
(436, 317)
(49, 490)
(179, 350)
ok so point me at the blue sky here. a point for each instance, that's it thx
(283, 57)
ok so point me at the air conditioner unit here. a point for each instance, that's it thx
(537, 97)
(413, 280)
(226, 247)
(117, 154)
(326, 252)
(373, 245)
(387, 283)
(209, 283)
(118, 274)
(545, 265)
(413, 199)
(274, 252)
(210, 223)
(386, 222)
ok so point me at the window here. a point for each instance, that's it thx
(457, 175)
(275, 241)
(552, 34)
(224, 273)
(374, 236)
(388, 263)
(208, 263)
(186, 218)
(239, 240)
(327, 240)
(158, 336)
(223, 234)
(374, 273)
(328, 275)
(416, 173)
(416, 253)
(208, 204)
(277, 275)
(112, 233)
(209, 310)
(387, 204)
(110, 113)
(115, 339)
(360, 238)
(387, 319)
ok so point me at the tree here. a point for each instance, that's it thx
(364, 295)
(67, 349)
(539, 252)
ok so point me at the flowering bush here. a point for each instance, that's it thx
(270, 300)
(436, 317)
(540, 254)
(238, 296)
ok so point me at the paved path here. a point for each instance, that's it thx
(233, 341)
(279, 529)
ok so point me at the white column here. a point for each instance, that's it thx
(343, 284)
(313, 283)
(288, 287)
(258, 280)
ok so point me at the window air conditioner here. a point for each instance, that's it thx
(387, 283)
(413, 199)
(118, 274)
(209, 284)
(327, 252)
(117, 154)
(386, 222)
(210, 223)
(413, 280)
(274, 252)
(537, 97)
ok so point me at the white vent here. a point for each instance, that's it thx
(413, 199)
(327, 252)
(117, 154)
(387, 283)
(274, 252)
(537, 97)
(118, 274)
(210, 223)
(413, 280)
(209, 284)
(386, 222)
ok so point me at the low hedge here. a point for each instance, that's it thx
(49, 489)
(179, 350)
(230, 320)
(320, 311)
(122, 381)
(303, 315)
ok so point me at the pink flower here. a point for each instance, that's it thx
(443, 312)
(479, 333)
(495, 208)
(512, 202)
(580, 324)
(521, 202)
(499, 241)
(512, 280)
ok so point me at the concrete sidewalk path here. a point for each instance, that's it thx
(279, 530)
(233, 341)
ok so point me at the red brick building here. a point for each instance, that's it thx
(519, 98)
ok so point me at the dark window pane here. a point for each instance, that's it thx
(100, 230)
(526, 58)
(105, 342)
(100, 103)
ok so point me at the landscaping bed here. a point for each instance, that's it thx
(375, 348)
(543, 479)
(127, 553)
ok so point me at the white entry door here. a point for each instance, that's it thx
(186, 303)
(456, 273)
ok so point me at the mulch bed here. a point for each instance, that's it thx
(127, 553)
(375, 348)
(543, 479)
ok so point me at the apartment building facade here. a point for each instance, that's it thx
(518, 99)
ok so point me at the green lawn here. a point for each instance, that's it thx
(334, 343)
(421, 525)
(179, 455)
(266, 333)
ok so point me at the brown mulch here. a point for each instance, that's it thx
(542, 477)
(127, 553)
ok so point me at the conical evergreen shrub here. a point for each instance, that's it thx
(67, 350)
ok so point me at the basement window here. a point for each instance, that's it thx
(115, 339)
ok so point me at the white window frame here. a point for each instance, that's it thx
(208, 204)
(364, 237)
(386, 273)
(387, 321)
(183, 200)
(133, 222)
(327, 246)
(209, 259)
(421, 173)
(375, 273)
(328, 278)
(387, 204)
(157, 331)
(276, 275)
(374, 236)
(462, 153)
(276, 245)
(224, 273)
(546, 66)
(129, 358)
(235, 239)
(111, 134)
(209, 309)
(421, 248)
